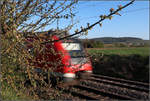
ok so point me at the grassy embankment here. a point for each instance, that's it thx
(127, 63)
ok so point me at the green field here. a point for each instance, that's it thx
(143, 51)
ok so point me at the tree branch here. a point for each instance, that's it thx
(85, 29)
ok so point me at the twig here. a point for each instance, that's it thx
(85, 29)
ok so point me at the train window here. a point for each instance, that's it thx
(71, 46)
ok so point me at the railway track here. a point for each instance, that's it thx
(122, 82)
(98, 87)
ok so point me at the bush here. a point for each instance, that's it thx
(18, 77)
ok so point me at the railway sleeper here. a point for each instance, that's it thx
(121, 80)
(78, 94)
(114, 90)
(101, 92)
(119, 84)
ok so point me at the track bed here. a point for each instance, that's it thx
(99, 87)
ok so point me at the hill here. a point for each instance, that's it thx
(110, 40)
(114, 41)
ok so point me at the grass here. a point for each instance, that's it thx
(143, 51)
(9, 94)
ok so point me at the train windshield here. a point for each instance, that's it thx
(75, 50)
(71, 46)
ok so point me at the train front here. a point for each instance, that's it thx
(79, 61)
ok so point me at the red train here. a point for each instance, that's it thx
(67, 57)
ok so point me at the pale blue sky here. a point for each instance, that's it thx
(134, 21)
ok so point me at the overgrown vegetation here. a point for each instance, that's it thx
(18, 78)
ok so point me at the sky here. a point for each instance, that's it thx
(133, 22)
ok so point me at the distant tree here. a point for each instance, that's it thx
(97, 44)
(119, 44)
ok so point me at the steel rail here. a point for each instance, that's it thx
(122, 80)
(120, 84)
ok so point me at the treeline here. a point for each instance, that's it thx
(115, 42)
(110, 40)
(92, 44)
